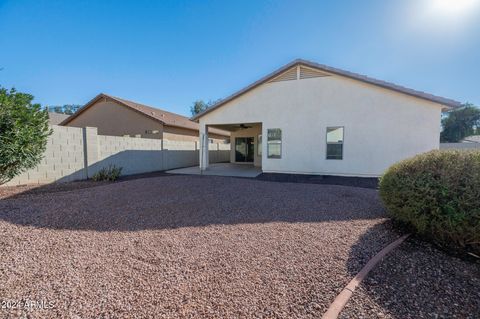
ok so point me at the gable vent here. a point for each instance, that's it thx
(288, 75)
(307, 73)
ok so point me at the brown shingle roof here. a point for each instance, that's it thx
(387, 85)
(56, 118)
(165, 117)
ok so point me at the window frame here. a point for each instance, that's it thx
(268, 144)
(334, 143)
(259, 144)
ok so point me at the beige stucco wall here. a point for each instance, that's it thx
(381, 126)
(254, 131)
(114, 119)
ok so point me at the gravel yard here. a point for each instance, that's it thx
(192, 246)
(419, 281)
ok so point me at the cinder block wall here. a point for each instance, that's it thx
(63, 159)
(460, 146)
(78, 153)
(180, 154)
(135, 155)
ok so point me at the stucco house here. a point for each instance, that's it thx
(308, 118)
(119, 117)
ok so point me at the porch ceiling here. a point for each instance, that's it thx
(234, 127)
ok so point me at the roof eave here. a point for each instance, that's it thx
(447, 104)
(106, 96)
(83, 108)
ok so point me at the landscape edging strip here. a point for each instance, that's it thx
(341, 300)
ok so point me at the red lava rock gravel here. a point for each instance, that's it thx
(418, 281)
(33, 190)
(187, 247)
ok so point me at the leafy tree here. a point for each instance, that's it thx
(460, 123)
(23, 133)
(71, 108)
(56, 109)
(199, 106)
(64, 109)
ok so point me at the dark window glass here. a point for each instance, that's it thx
(244, 149)
(335, 143)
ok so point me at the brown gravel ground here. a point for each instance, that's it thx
(191, 247)
(418, 281)
(36, 189)
(33, 190)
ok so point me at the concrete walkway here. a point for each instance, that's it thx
(221, 169)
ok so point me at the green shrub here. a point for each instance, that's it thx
(438, 194)
(110, 173)
(24, 132)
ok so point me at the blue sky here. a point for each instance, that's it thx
(169, 53)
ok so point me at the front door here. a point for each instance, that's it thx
(244, 149)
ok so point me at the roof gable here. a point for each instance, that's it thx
(307, 69)
(161, 116)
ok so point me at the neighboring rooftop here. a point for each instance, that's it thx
(56, 118)
(448, 103)
(162, 116)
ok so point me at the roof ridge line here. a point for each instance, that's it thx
(450, 103)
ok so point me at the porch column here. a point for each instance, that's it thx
(203, 153)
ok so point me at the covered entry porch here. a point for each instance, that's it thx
(245, 145)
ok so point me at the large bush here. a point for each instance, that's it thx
(438, 194)
(23, 133)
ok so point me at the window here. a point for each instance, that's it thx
(335, 142)
(274, 143)
(259, 145)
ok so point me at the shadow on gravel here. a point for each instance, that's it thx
(175, 201)
(13, 192)
(416, 280)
